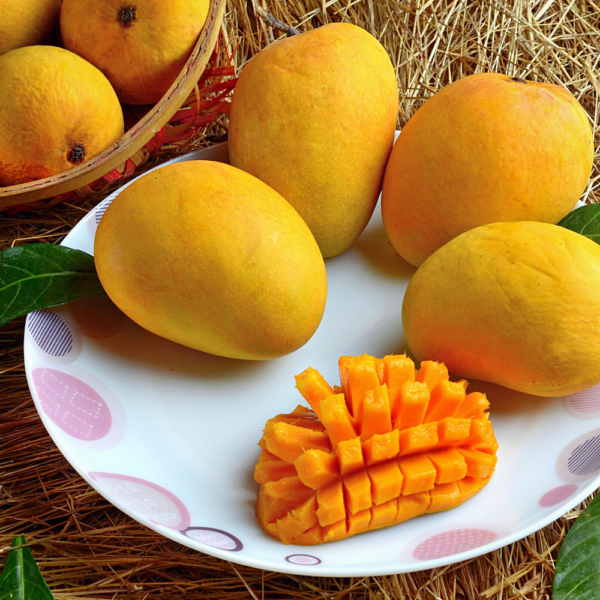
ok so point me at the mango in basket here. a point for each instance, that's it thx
(485, 149)
(56, 111)
(314, 116)
(27, 22)
(208, 256)
(516, 304)
(391, 444)
(140, 46)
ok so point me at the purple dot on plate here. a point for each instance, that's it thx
(557, 495)
(584, 405)
(96, 316)
(303, 559)
(217, 538)
(50, 333)
(585, 459)
(72, 404)
(452, 542)
(147, 499)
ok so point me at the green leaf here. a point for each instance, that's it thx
(584, 220)
(577, 574)
(21, 579)
(40, 275)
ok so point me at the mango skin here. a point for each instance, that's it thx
(208, 256)
(485, 149)
(516, 304)
(314, 116)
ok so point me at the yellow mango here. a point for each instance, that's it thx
(515, 303)
(208, 256)
(313, 116)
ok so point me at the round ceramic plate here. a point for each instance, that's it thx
(169, 434)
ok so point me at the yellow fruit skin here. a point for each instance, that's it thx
(51, 100)
(210, 257)
(313, 116)
(143, 59)
(484, 149)
(516, 304)
(27, 22)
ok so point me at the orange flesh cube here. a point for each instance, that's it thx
(386, 481)
(301, 417)
(288, 488)
(450, 465)
(412, 506)
(313, 388)
(266, 456)
(473, 407)
(481, 437)
(350, 456)
(418, 474)
(343, 364)
(444, 401)
(298, 520)
(469, 486)
(380, 369)
(309, 538)
(431, 373)
(418, 439)
(272, 470)
(410, 405)
(335, 531)
(269, 509)
(359, 522)
(376, 417)
(317, 469)
(357, 492)
(452, 431)
(336, 418)
(331, 504)
(362, 377)
(384, 514)
(288, 442)
(398, 369)
(479, 464)
(444, 497)
(381, 447)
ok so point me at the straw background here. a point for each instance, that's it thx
(88, 549)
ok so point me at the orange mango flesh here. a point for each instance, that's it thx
(391, 443)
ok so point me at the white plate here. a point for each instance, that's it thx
(169, 434)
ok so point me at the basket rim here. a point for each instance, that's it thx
(133, 139)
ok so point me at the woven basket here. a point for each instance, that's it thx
(148, 135)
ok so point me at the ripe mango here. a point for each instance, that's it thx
(485, 149)
(515, 303)
(210, 257)
(313, 116)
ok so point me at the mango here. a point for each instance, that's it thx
(515, 304)
(210, 257)
(485, 149)
(314, 116)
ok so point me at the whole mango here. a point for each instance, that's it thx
(515, 303)
(313, 116)
(208, 256)
(485, 149)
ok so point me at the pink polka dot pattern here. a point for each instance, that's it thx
(585, 459)
(147, 499)
(557, 495)
(216, 538)
(452, 542)
(96, 316)
(50, 333)
(303, 559)
(72, 404)
(584, 405)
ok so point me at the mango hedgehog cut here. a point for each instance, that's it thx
(388, 445)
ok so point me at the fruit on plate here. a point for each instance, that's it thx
(56, 111)
(485, 149)
(208, 256)
(313, 116)
(140, 46)
(27, 22)
(388, 445)
(516, 304)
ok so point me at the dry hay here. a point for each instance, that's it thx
(86, 548)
